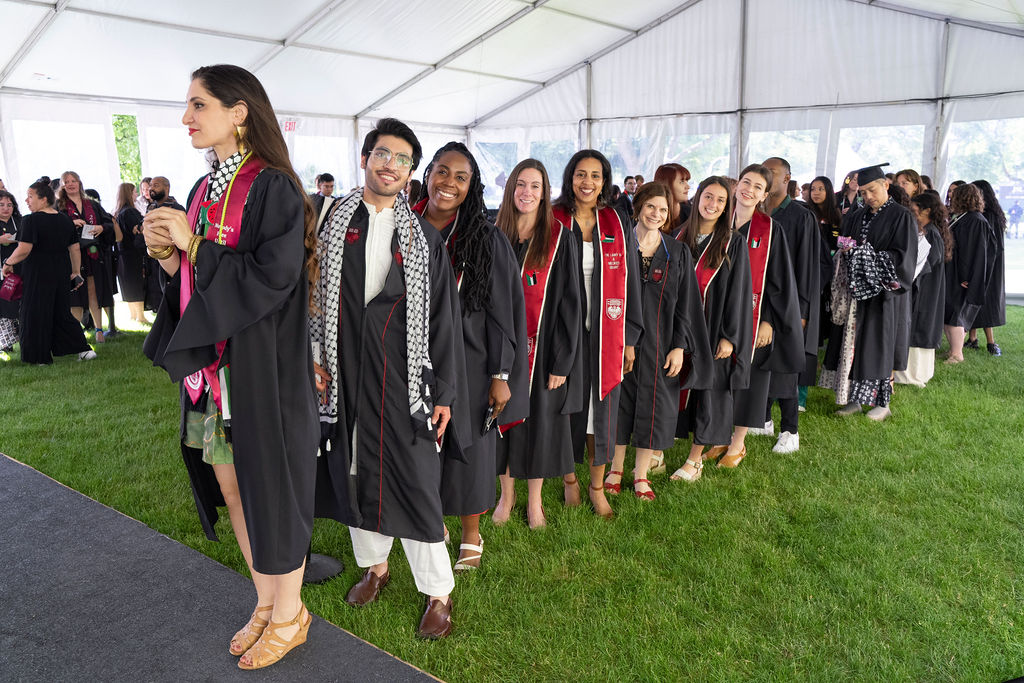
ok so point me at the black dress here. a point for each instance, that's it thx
(131, 253)
(47, 326)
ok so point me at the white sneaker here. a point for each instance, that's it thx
(801, 409)
(849, 409)
(768, 430)
(879, 413)
(87, 355)
(787, 443)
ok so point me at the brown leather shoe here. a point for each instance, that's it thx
(367, 589)
(437, 620)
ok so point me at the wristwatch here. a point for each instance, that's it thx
(503, 376)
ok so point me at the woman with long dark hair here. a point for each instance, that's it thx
(48, 250)
(968, 272)
(540, 446)
(494, 332)
(676, 178)
(848, 197)
(612, 320)
(722, 266)
(993, 312)
(675, 335)
(934, 248)
(95, 228)
(233, 329)
(131, 252)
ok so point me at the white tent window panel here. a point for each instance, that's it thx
(52, 147)
(702, 154)
(993, 150)
(316, 154)
(984, 62)
(900, 146)
(167, 152)
(496, 160)
(798, 147)
(554, 154)
(693, 56)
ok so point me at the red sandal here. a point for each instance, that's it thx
(645, 495)
(613, 489)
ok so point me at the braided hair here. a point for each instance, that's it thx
(472, 250)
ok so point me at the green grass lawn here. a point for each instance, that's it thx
(877, 552)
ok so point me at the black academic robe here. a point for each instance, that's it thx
(784, 354)
(542, 446)
(606, 411)
(927, 294)
(673, 319)
(883, 321)
(728, 314)
(97, 258)
(993, 311)
(131, 254)
(256, 297)
(495, 342)
(970, 264)
(393, 487)
(804, 241)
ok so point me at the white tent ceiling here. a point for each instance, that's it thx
(458, 62)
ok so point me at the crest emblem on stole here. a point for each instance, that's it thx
(613, 308)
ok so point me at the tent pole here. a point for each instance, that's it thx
(740, 132)
(356, 158)
(590, 105)
(938, 160)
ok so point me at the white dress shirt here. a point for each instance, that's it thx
(380, 230)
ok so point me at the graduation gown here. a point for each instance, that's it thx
(100, 268)
(131, 253)
(542, 446)
(391, 482)
(803, 237)
(256, 297)
(728, 314)
(883, 321)
(606, 411)
(784, 354)
(495, 342)
(970, 265)
(993, 310)
(673, 318)
(9, 309)
(927, 295)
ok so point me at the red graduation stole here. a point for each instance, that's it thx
(759, 243)
(705, 275)
(88, 215)
(612, 270)
(535, 293)
(203, 217)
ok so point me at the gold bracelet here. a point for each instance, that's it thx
(193, 248)
(161, 254)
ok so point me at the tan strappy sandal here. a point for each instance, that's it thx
(270, 648)
(251, 632)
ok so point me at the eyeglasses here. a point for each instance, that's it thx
(383, 155)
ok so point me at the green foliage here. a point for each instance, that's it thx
(126, 139)
(886, 552)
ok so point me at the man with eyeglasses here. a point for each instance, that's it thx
(387, 341)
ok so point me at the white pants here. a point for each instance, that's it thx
(431, 567)
(920, 367)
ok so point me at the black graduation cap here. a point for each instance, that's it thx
(870, 174)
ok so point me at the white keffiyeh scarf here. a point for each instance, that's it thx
(323, 323)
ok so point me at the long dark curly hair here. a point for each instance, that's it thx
(992, 212)
(472, 250)
(929, 201)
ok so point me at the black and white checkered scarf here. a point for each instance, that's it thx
(323, 323)
(222, 174)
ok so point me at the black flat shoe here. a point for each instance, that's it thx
(971, 344)
(995, 350)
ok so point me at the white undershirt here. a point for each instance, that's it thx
(588, 275)
(380, 230)
(923, 248)
(324, 209)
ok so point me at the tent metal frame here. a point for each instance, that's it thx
(277, 46)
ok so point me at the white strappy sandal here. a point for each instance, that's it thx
(682, 475)
(476, 553)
